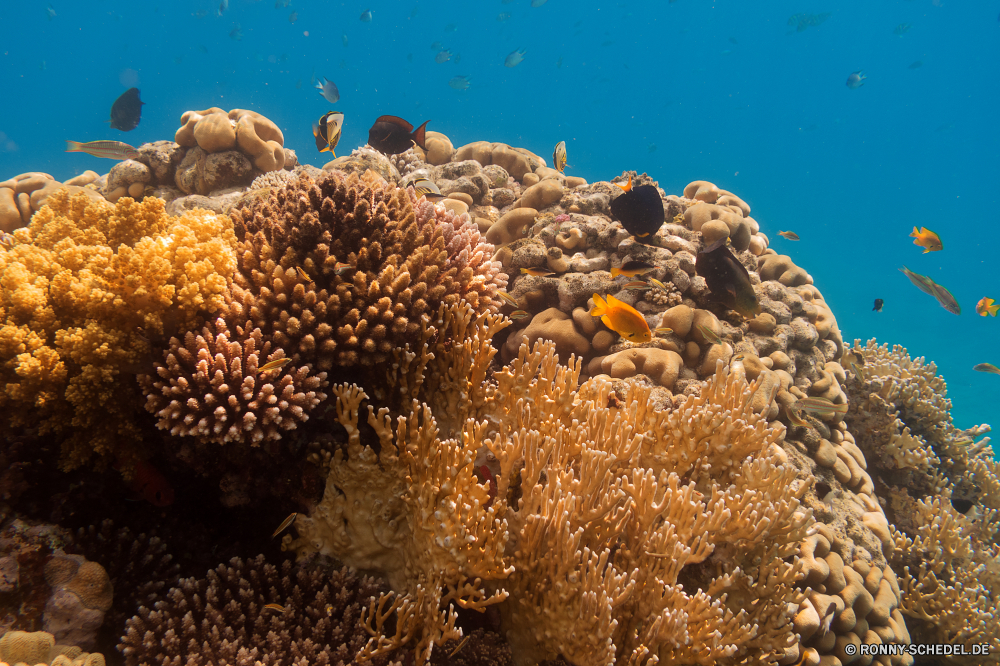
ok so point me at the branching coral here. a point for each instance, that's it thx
(83, 286)
(229, 618)
(612, 550)
(212, 387)
(374, 262)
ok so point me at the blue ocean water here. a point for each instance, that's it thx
(724, 91)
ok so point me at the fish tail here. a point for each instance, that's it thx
(74, 146)
(600, 307)
(615, 272)
(418, 135)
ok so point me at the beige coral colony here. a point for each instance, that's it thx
(478, 471)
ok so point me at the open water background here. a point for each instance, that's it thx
(722, 91)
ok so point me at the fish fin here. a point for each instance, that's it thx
(600, 306)
(915, 233)
(395, 120)
(418, 135)
(73, 146)
(323, 150)
(615, 272)
(333, 153)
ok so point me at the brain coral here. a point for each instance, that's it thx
(339, 271)
(83, 288)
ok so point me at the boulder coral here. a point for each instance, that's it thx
(86, 287)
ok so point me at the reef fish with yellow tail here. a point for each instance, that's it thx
(392, 135)
(112, 150)
(728, 280)
(790, 235)
(986, 367)
(639, 209)
(621, 318)
(273, 365)
(126, 112)
(987, 306)
(632, 268)
(559, 157)
(327, 131)
(927, 239)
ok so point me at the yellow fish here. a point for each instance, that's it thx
(273, 365)
(537, 272)
(790, 235)
(986, 307)
(627, 187)
(277, 608)
(285, 524)
(507, 298)
(927, 239)
(656, 283)
(621, 318)
(518, 314)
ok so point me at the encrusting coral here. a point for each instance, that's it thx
(85, 286)
(618, 533)
(253, 613)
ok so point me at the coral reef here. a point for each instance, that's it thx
(252, 612)
(595, 530)
(39, 647)
(23, 195)
(85, 288)
(943, 495)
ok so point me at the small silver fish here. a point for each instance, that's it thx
(514, 59)
(236, 33)
(366, 16)
(223, 6)
(856, 80)
(51, 13)
(460, 82)
(343, 38)
(328, 89)
(442, 56)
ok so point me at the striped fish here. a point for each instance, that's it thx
(427, 188)
(113, 150)
(820, 407)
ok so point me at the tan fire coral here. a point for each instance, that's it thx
(83, 287)
(608, 558)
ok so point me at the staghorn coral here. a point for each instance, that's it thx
(83, 286)
(612, 549)
(222, 620)
(374, 260)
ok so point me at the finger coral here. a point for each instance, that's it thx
(212, 386)
(255, 614)
(83, 287)
(593, 541)
(339, 271)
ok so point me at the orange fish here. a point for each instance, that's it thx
(621, 318)
(627, 187)
(986, 307)
(927, 239)
(149, 484)
(537, 272)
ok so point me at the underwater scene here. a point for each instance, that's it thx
(515, 332)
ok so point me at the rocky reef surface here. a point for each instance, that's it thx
(213, 336)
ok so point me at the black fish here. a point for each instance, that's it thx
(126, 112)
(728, 280)
(961, 505)
(878, 305)
(392, 135)
(640, 210)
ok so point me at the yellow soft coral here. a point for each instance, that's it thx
(84, 286)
